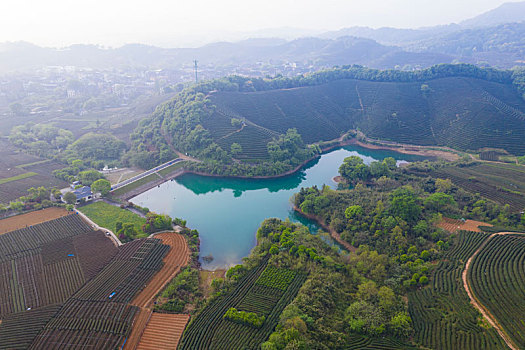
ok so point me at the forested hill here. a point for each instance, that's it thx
(460, 106)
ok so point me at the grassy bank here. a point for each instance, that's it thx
(106, 215)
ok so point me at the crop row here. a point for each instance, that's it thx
(276, 278)
(53, 272)
(497, 277)
(230, 335)
(200, 331)
(36, 236)
(442, 315)
(17, 331)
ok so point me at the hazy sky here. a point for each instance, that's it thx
(175, 23)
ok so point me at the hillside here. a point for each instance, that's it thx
(462, 107)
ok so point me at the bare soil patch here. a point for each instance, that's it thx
(163, 331)
(35, 217)
(411, 149)
(453, 225)
(206, 277)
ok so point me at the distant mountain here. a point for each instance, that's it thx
(509, 12)
(314, 52)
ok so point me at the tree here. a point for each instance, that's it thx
(17, 109)
(404, 204)
(353, 211)
(439, 201)
(354, 169)
(101, 185)
(88, 177)
(401, 324)
(235, 149)
(443, 185)
(70, 198)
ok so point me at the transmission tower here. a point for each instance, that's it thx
(195, 69)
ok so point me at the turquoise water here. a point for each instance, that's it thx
(228, 211)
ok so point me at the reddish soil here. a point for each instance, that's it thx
(35, 217)
(452, 225)
(177, 257)
(137, 329)
(163, 331)
(155, 330)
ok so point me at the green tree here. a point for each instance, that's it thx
(70, 198)
(439, 201)
(235, 149)
(353, 211)
(401, 324)
(404, 205)
(101, 185)
(354, 169)
(88, 177)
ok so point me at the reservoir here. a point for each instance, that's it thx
(228, 211)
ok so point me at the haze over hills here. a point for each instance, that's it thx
(487, 39)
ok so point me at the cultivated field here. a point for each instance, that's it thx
(46, 263)
(163, 331)
(98, 315)
(20, 171)
(462, 113)
(177, 257)
(497, 280)
(452, 225)
(33, 218)
(264, 290)
(442, 315)
(502, 183)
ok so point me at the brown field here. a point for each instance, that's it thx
(177, 257)
(147, 323)
(163, 331)
(35, 217)
(452, 225)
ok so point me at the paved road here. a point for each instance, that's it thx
(146, 173)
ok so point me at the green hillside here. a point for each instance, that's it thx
(460, 106)
(463, 113)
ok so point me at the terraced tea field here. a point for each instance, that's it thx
(502, 183)
(462, 113)
(264, 290)
(497, 280)
(442, 315)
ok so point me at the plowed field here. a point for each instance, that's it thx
(32, 218)
(163, 331)
(177, 257)
(452, 225)
(160, 331)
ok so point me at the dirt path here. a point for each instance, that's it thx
(177, 257)
(482, 309)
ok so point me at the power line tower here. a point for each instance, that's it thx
(195, 69)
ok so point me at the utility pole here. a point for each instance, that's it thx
(195, 69)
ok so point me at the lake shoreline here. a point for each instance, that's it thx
(333, 233)
(402, 149)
